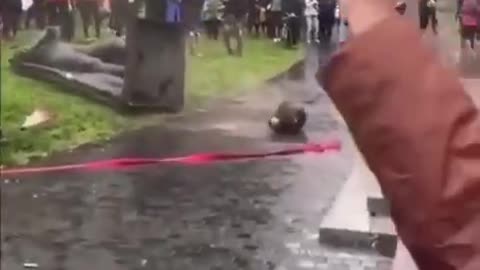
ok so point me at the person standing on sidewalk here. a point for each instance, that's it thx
(311, 17)
(418, 131)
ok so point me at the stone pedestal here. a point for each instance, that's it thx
(349, 223)
(155, 68)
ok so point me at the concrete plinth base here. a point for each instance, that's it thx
(349, 224)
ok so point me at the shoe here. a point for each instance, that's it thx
(317, 40)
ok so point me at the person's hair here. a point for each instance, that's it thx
(401, 7)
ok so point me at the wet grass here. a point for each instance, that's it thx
(78, 121)
(214, 73)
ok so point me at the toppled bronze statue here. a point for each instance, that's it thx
(146, 71)
(111, 51)
(51, 52)
(288, 119)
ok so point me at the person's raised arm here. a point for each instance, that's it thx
(418, 131)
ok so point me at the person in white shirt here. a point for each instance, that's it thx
(311, 16)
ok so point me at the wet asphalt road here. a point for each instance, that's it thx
(244, 215)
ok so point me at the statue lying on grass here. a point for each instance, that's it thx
(51, 52)
(149, 74)
(95, 70)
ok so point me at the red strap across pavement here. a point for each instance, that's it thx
(195, 159)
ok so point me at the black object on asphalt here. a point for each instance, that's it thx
(289, 118)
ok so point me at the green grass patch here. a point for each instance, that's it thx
(217, 74)
(78, 121)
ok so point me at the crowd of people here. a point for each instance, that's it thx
(62, 13)
(279, 20)
(276, 19)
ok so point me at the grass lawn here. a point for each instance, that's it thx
(78, 121)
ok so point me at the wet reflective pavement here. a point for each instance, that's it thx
(258, 215)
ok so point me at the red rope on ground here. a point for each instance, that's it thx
(195, 159)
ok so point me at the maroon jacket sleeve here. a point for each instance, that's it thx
(420, 135)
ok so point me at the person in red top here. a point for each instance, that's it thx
(418, 130)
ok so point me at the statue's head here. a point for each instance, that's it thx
(52, 33)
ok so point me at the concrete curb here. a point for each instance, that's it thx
(349, 223)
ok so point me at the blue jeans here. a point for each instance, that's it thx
(173, 12)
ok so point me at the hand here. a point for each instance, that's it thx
(362, 15)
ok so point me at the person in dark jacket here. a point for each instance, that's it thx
(275, 19)
(60, 13)
(326, 18)
(36, 13)
(11, 11)
(234, 16)
(253, 19)
(294, 8)
(252, 8)
(427, 10)
(53, 11)
(119, 16)
(29, 16)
